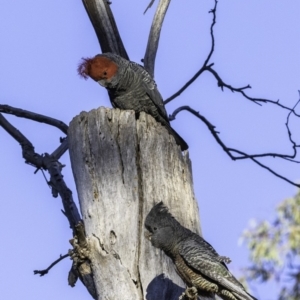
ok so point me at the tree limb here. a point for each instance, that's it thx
(154, 35)
(185, 86)
(50, 163)
(60, 150)
(258, 101)
(59, 187)
(18, 112)
(45, 271)
(16, 134)
(244, 155)
(105, 27)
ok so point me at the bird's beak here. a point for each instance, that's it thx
(101, 82)
(148, 235)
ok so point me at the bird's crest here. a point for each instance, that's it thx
(84, 67)
(100, 67)
(160, 208)
(161, 212)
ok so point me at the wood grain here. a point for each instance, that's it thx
(122, 167)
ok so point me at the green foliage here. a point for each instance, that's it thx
(275, 249)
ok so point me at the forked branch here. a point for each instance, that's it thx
(105, 26)
(207, 66)
(241, 90)
(50, 163)
(242, 155)
(59, 187)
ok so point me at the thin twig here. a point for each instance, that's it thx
(213, 11)
(205, 64)
(222, 84)
(229, 151)
(149, 5)
(45, 271)
(288, 128)
(185, 86)
(154, 35)
(18, 112)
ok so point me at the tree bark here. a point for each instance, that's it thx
(122, 167)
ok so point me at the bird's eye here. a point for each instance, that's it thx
(154, 228)
(104, 73)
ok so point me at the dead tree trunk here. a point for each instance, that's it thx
(122, 167)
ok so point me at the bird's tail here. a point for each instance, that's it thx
(179, 140)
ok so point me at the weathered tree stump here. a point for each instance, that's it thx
(122, 167)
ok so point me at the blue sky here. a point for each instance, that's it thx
(257, 43)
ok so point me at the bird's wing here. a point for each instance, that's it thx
(210, 249)
(202, 260)
(151, 89)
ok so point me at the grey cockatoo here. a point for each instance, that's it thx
(129, 86)
(196, 261)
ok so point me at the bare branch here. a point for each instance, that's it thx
(213, 11)
(45, 271)
(154, 35)
(185, 86)
(240, 90)
(243, 154)
(149, 6)
(33, 116)
(273, 172)
(54, 167)
(105, 27)
(57, 153)
(50, 163)
(14, 132)
(288, 128)
(222, 84)
(17, 135)
(204, 66)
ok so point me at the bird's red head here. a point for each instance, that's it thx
(98, 68)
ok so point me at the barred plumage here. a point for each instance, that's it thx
(129, 86)
(196, 261)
